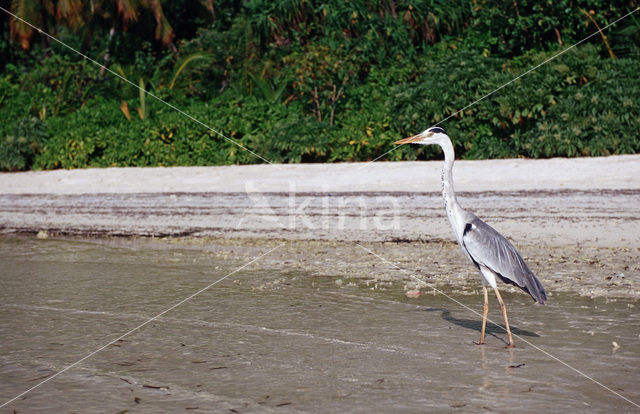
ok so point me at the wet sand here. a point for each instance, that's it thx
(323, 323)
(576, 221)
(286, 334)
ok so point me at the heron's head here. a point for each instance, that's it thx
(429, 136)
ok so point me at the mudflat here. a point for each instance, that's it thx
(576, 221)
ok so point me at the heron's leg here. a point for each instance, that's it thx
(485, 311)
(506, 321)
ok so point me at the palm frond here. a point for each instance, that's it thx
(185, 61)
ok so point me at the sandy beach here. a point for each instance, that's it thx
(615, 173)
(582, 212)
(337, 286)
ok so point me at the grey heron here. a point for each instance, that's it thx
(489, 251)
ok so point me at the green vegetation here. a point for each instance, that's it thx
(311, 81)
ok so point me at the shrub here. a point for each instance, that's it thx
(565, 108)
(333, 81)
(19, 148)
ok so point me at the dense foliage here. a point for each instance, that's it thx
(312, 81)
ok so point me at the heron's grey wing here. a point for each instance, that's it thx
(489, 248)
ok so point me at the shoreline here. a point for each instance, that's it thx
(580, 234)
(586, 271)
(588, 201)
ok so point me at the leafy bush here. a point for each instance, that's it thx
(565, 108)
(332, 81)
(19, 148)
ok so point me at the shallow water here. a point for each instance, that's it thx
(285, 340)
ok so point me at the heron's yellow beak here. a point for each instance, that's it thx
(409, 140)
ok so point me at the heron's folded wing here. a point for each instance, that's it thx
(489, 248)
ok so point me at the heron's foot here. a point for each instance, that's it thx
(479, 343)
(511, 345)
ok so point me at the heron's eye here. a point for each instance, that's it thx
(429, 134)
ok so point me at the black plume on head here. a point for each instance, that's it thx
(437, 129)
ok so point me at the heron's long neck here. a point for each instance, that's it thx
(449, 195)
